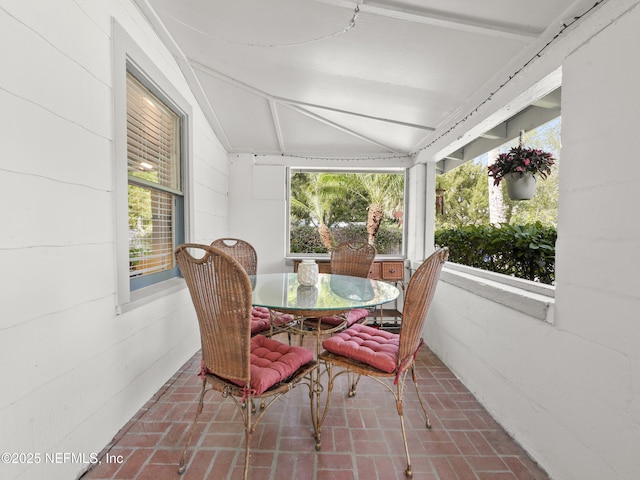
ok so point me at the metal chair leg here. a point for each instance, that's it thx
(247, 440)
(415, 383)
(399, 405)
(352, 380)
(183, 465)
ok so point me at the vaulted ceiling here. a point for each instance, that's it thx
(347, 77)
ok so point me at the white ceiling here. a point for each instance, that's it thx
(318, 78)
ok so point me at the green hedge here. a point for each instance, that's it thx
(305, 239)
(525, 251)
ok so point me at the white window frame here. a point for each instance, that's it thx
(128, 56)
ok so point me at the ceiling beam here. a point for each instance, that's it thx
(451, 22)
(355, 114)
(299, 106)
(528, 119)
(499, 132)
(276, 124)
(221, 76)
(343, 129)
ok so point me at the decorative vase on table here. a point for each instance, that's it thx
(520, 185)
(308, 273)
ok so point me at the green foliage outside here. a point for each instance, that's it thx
(466, 197)
(524, 251)
(522, 243)
(328, 208)
(305, 238)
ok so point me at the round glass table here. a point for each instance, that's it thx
(332, 295)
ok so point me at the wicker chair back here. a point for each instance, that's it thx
(241, 250)
(353, 259)
(221, 294)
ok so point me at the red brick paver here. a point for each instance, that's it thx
(360, 438)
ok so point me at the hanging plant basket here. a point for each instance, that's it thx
(520, 167)
(521, 185)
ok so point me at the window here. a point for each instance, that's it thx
(487, 230)
(152, 146)
(155, 199)
(326, 208)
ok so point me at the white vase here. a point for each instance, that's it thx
(308, 273)
(520, 185)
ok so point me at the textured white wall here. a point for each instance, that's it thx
(570, 392)
(598, 291)
(257, 197)
(73, 372)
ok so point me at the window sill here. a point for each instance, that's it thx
(531, 298)
(144, 296)
(323, 257)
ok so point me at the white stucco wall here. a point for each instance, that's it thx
(570, 391)
(257, 197)
(74, 372)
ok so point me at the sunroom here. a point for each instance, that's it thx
(260, 89)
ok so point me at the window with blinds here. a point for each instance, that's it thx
(154, 183)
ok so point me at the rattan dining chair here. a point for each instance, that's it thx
(241, 250)
(353, 259)
(262, 321)
(370, 352)
(238, 365)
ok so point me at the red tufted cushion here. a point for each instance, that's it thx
(354, 315)
(273, 361)
(261, 321)
(374, 347)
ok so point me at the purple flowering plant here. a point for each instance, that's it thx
(520, 159)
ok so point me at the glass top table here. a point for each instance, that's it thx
(332, 295)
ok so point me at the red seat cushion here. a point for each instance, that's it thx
(273, 361)
(354, 315)
(261, 319)
(372, 346)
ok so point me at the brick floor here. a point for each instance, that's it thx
(361, 436)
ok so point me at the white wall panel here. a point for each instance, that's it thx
(75, 372)
(40, 73)
(46, 145)
(51, 213)
(46, 279)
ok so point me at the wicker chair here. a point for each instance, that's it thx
(366, 351)
(353, 259)
(262, 321)
(240, 250)
(233, 362)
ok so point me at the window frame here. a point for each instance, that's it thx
(291, 169)
(177, 195)
(129, 57)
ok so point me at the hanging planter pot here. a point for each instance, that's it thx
(520, 185)
(520, 167)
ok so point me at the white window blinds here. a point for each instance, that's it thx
(153, 159)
